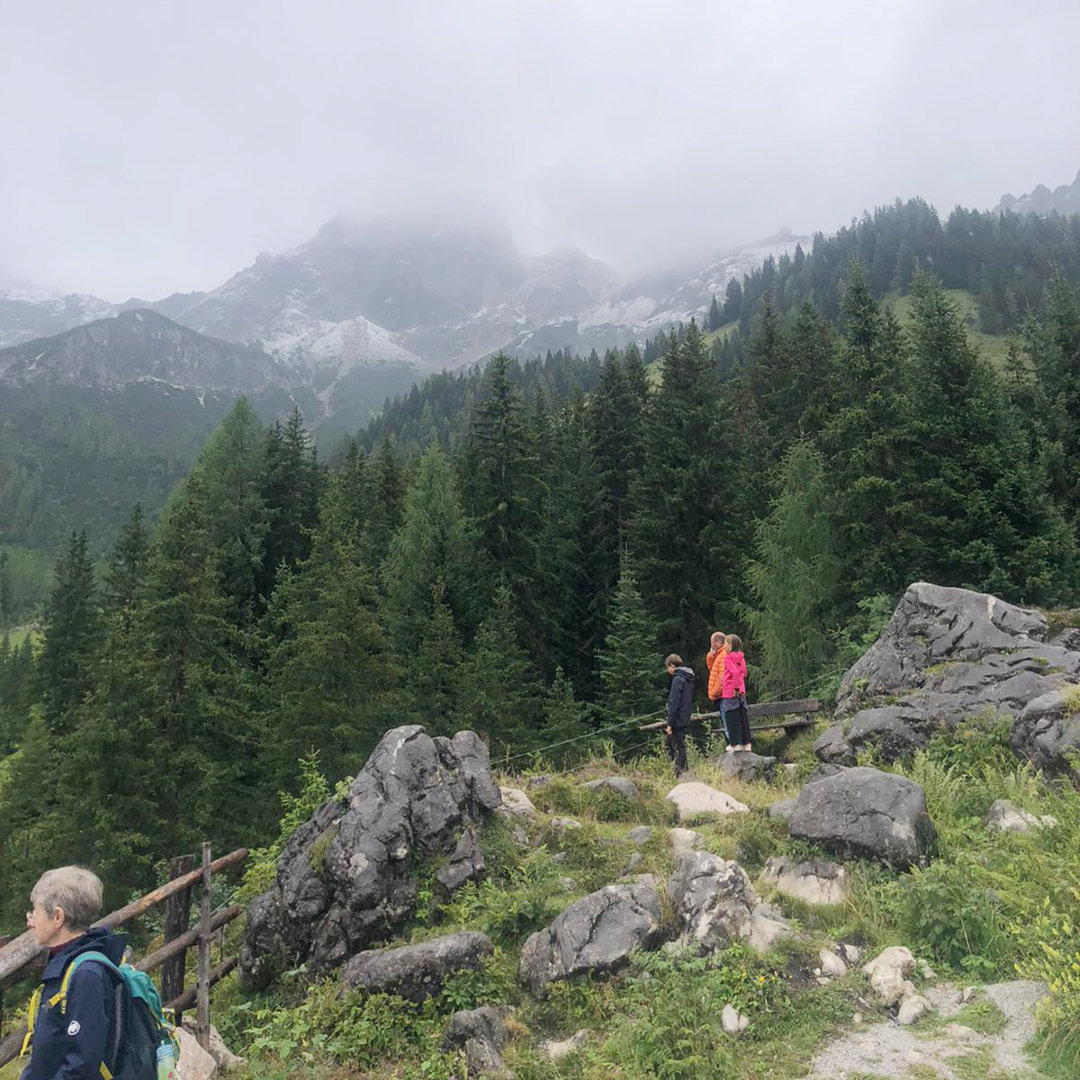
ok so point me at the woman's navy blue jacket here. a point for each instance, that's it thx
(71, 1045)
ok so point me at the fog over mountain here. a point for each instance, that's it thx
(149, 150)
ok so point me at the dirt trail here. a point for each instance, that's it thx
(951, 1051)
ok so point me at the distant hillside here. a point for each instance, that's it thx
(142, 345)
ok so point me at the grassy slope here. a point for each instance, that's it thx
(993, 347)
(661, 1017)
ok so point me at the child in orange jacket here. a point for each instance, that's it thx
(715, 659)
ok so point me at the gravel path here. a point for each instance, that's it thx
(886, 1049)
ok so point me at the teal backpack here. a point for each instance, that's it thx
(143, 1045)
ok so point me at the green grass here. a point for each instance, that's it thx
(17, 635)
(993, 347)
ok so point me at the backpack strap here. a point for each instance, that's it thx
(75, 964)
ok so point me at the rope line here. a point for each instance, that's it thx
(588, 735)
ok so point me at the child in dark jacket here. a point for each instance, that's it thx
(733, 712)
(679, 709)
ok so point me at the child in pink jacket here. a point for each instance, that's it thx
(733, 712)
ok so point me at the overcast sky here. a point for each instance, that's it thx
(149, 147)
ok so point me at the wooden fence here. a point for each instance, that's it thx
(22, 957)
(793, 715)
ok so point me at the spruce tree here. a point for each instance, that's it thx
(330, 676)
(716, 316)
(678, 497)
(983, 514)
(565, 722)
(501, 489)
(126, 572)
(498, 689)
(230, 471)
(794, 575)
(387, 486)
(434, 671)
(290, 485)
(71, 639)
(432, 555)
(630, 663)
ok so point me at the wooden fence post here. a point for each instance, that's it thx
(202, 1027)
(177, 919)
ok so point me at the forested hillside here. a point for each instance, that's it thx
(528, 582)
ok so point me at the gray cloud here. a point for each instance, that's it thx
(148, 148)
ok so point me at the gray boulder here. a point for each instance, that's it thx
(481, 1033)
(596, 934)
(1047, 733)
(619, 784)
(746, 765)
(947, 655)
(347, 876)
(414, 972)
(713, 900)
(466, 864)
(781, 810)
(833, 748)
(814, 881)
(868, 813)
(639, 835)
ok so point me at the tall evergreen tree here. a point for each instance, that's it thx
(630, 662)
(679, 495)
(290, 487)
(499, 692)
(330, 674)
(387, 486)
(794, 575)
(716, 316)
(127, 568)
(435, 671)
(231, 471)
(72, 637)
(432, 555)
(500, 483)
(983, 515)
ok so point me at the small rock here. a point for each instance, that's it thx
(619, 784)
(1048, 821)
(487, 1022)
(565, 823)
(962, 1033)
(482, 1059)
(635, 861)
(515, 803)
(558, 1049)
(857, 1018)
(194, 1063)
(225, 1058)
(815, 881)
(850, 953)
(640, 835)
(917, 1057)
(823, 980)
(831, 963)
(791, 768)
(538, 781)
(887, 973)
(926, 971)
(693, 799)
(733, 1021)
(767, 927)
(567, 884)
(559, 858)
(912, 1009)
(1004, 817)
(967, 994)
(684, 840)
(746, 765)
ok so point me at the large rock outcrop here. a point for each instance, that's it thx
(713, 900)
(596, 934)
(347, 877)
(950, 654)
(868, 813)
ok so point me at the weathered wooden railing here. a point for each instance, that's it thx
(23, 958)
(794, 715)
